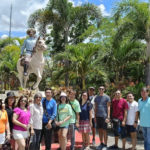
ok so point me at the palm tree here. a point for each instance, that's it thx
(133, 18)
(67, 23)
(120, 59)
(81, 59)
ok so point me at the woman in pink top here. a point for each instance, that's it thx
(21, 118)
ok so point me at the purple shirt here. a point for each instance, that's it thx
(23, 117)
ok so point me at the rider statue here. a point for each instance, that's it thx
(28, 48)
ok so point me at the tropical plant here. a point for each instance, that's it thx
(133, 18)
(82, 61)
(66, 22)
(8, 61)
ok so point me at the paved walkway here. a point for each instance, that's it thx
(78, 143)
(140, 142)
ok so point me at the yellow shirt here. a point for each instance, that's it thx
(3, 120)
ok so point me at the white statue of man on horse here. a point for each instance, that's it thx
(31, 58)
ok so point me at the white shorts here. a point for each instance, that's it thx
(17, 134)
(2, 138)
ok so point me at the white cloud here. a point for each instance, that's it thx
(79, 3)
(103, 10)
(5, 18)
(22, 37)
(21, 11)
(4, 36)
(72, 1)
(76, 2)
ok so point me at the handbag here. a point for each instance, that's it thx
(30, 146)
(54, 126)
(115, 120)
(6, 145)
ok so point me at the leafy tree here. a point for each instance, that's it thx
(81, 59)
(67, 22)
(8, 61)
(133, 17)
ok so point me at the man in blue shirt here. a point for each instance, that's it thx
(28, 47)
(50, 112)
(144, 109)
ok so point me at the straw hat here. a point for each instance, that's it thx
(31, 30)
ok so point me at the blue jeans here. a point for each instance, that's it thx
(72, 133)
(146, 134)
(35, 145)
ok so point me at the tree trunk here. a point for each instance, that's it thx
(117, 75)
(147, 73)
(66, 33)
(83, 83)
(147, 67)
(5, 85)
(67, 74)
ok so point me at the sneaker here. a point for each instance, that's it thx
(113, 147)
(93, 142)
(25, 73)
(87, 148)
(100, 146)
(104, 148)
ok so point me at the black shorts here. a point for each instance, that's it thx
(119, 129)
(93, 123)
(130, 128)
(100, 123)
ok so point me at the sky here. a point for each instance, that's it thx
(23, 8)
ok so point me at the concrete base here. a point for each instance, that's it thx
(21, 92)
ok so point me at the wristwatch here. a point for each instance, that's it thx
(135, 122)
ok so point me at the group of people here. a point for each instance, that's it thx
(125, 116)
(40, 118)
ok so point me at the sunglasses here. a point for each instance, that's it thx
(101, 89)
(23, 100)
(117, 93)
(38, 97)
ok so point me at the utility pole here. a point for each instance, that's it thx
(10, 22)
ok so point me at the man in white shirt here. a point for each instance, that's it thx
(132, 119)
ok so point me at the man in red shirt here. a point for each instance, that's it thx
(119, 115)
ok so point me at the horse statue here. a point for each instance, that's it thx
(36, 65)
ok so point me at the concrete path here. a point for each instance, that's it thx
(140, 143)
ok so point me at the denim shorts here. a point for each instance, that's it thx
(119, 129)
(130, 128)
(66, 127)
